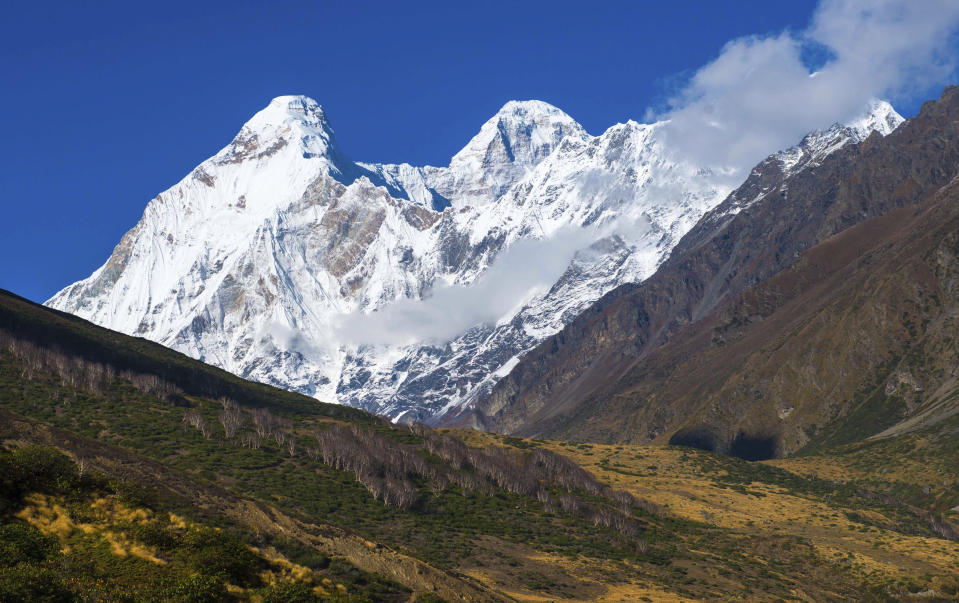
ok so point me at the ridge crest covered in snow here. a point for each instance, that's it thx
(408, 291)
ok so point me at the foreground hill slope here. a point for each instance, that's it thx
(113, 526)
(352, 503)
(813, 309)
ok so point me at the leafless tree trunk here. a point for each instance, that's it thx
(194, 419)
(231, 417)
(83, 465)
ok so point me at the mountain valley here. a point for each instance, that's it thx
(759, 405)
(694, 336)
(156, 456)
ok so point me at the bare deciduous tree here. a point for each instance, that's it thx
(83, 465)
(231, 417)
(78, 372)
(194, 419)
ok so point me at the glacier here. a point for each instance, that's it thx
(406, 291)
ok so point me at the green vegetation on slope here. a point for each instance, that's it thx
(67, 535)
(496, 515)
(77, 338)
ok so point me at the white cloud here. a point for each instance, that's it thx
(758, 96)
(524, 269)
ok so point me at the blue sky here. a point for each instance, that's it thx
(108, 104)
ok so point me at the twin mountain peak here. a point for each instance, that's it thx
(284, 261)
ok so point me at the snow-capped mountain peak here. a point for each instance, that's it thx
(521, 133)
(283, 261)
(293, 121)
(511, 143)
(288, 109)
(520, 136)
(879, 117)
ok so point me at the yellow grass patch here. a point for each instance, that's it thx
(177, 522)
(684, 489)
(49, 515)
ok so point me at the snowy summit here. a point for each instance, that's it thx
(284, 261)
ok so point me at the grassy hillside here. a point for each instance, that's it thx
(74, 337)
(323, 496)
(68, 533)
(839, 515)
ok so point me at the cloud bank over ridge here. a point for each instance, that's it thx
(526, 268)
(764, 92)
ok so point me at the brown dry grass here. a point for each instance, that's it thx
(670, 477)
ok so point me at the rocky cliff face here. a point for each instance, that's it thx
(806, 309)
(282, 260)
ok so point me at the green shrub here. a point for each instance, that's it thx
(36, 469)
(218, 553)
(26, 583)
(303, 554)
(156, 535)
(290, 592)
(194, 589)
(20, 543)
(133, 493)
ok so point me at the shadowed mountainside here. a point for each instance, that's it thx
(713, 352)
